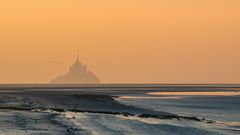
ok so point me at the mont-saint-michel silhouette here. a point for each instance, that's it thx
(77, 74)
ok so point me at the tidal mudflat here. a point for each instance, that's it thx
(119, 109)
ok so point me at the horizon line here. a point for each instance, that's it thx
(129, 84)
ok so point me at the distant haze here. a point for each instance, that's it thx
(127, 41)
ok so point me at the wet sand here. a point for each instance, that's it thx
(49, 109)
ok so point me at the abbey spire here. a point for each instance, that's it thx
(78, 58)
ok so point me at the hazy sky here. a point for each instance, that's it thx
(124, 41)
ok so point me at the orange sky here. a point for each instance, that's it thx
(129, 41)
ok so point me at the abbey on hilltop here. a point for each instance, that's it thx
(78, 74)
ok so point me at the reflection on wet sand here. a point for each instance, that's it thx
(9, 91)
(222, 93)
(148, 97)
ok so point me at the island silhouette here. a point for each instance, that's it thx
(77, 74)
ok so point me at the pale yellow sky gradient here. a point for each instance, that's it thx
(127, 41)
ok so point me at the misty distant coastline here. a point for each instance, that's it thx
(78, 74)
